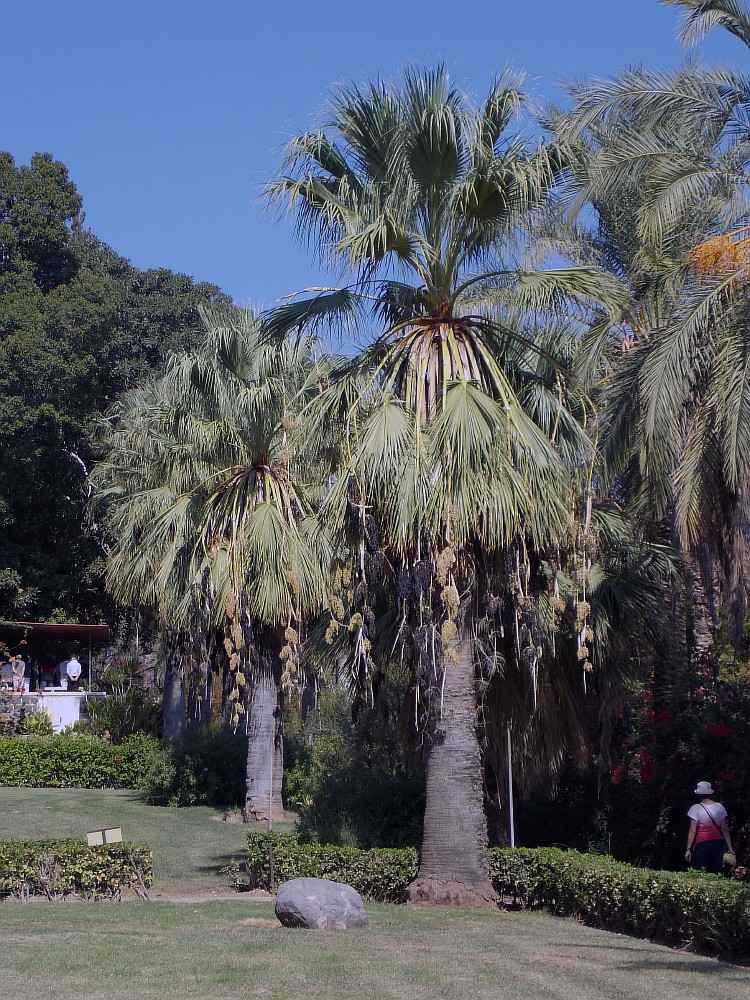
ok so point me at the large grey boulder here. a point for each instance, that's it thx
(319, 904)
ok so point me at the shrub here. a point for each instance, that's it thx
(706, 911)
(74, 761)
(38, 723)
(659, 754)
(350, 783)
(130, 707)
(60, 869)
(205, 770)
(380, 873)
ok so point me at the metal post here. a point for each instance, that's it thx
(272, 878)
(509, 754)
(270, 776)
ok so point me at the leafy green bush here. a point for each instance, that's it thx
(706, 911)
(205, 770)
(659, 756)
(380, 873)
(128, 709)
(350, 783)
(38, 723)
(74, 761)
(58, 869)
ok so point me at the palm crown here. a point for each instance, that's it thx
(423, 199)
(203, 486)
(667, 153)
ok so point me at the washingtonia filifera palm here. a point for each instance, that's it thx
(137, 484)
(221, 522)
(454, 412)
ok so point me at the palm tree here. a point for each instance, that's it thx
(450, 472)
(135, 483)
(221, 526)
(676, 145)
(700, 16)
(615, 358)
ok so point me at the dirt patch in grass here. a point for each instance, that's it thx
(235, 816)
(217, 896)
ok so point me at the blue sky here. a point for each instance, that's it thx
(171, 114)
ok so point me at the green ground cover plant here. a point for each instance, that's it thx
(684, 908)
(379, 873)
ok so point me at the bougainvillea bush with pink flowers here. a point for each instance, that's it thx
(631, 800)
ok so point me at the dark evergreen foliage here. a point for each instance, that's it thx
(78, 325)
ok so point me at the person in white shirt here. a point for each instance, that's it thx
(73, 670)
(709, 833)
(19, 668)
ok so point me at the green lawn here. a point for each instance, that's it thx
(189, 845)
(235, 947)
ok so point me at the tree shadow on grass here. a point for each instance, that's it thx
(704, 963)
(214, 864)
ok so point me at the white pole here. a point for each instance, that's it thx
(270, 776)
(509, 754)
(272, 877)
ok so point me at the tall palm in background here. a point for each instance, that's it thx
(670, 152)
(457, 434)
(221, 528)
(136, 482)
(616, 358)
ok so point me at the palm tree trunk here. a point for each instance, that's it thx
(173, 698)
(691, 638)
(691, 635)
(453, 861)
(702, 616)
(265, 752)
(672, 664)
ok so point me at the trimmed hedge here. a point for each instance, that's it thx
(75, 761)
(380, 873)
(707, 912)
(64, 869)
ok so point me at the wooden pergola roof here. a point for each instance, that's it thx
(55, 630)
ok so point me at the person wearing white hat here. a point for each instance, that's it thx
(709, 833)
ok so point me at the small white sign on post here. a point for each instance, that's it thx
(97, 838)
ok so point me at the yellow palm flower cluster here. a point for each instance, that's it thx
(722, 253)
